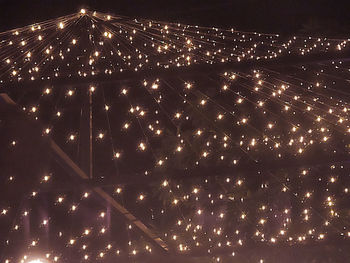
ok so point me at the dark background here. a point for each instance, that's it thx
(316, 17)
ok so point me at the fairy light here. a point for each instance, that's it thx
(142, 146)
(230, 123)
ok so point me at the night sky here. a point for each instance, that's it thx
(315, 17)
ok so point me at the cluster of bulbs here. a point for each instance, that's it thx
(159, 128)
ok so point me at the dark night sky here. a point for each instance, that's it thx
(323, 17)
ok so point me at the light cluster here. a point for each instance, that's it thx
(211, 162)
(111, 45)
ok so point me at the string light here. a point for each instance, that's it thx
(260, 115)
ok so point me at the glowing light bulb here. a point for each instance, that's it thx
(142, 146)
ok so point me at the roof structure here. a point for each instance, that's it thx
(131, 140)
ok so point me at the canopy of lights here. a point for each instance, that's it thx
(172, 140)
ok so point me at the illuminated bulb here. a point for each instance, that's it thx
(82, 11)
(46, 178)
(61, 25)
(142, 146)
(141, 197)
